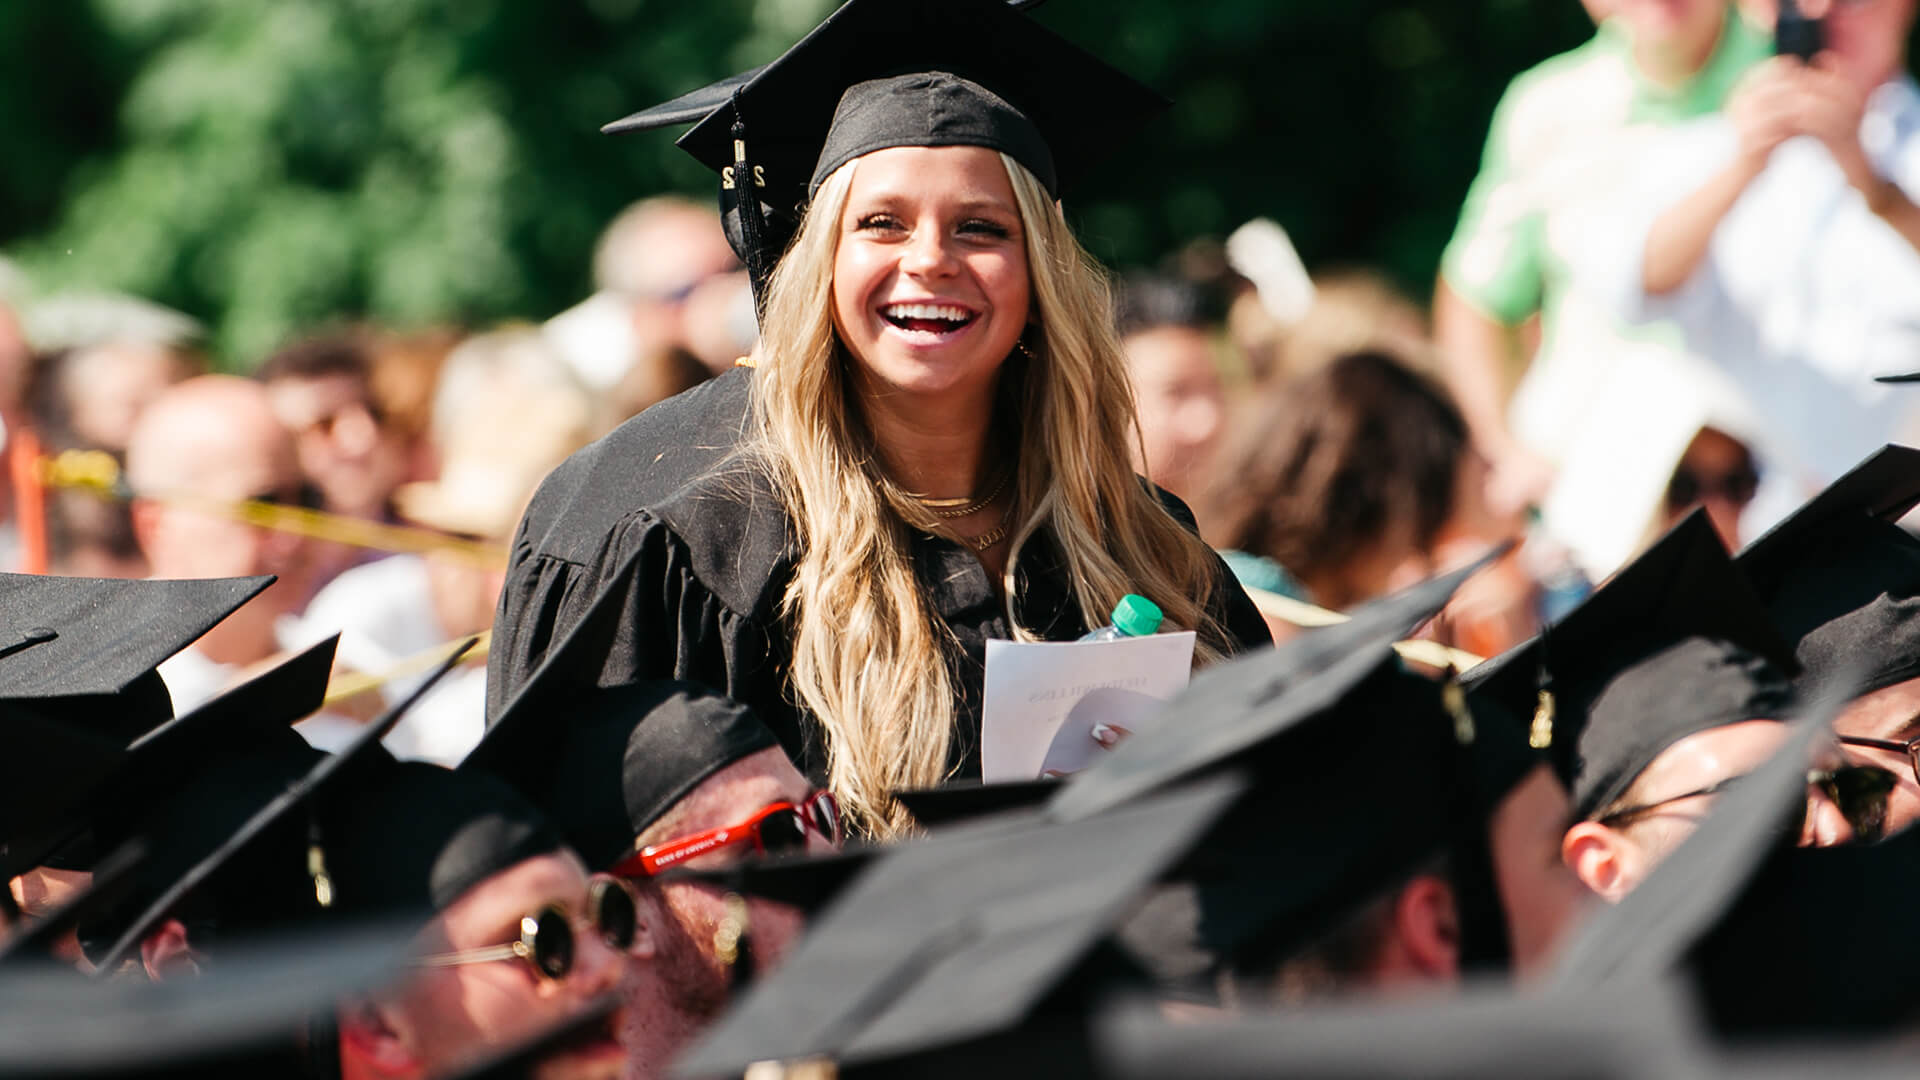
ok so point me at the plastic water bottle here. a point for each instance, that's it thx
(1133, 616)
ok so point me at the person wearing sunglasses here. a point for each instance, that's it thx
(1842, 582)
(647, 781)
(517, 936)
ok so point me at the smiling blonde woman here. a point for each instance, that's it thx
(932, 447)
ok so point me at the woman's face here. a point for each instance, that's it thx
(930, 287)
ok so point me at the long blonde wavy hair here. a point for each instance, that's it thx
(870, 658)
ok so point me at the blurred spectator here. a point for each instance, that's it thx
(508, 409)
(1178, 396)
(1664, 433)
(1288, 323)
(89, 397)
(201, 446)
(1568, 134)
(1783, 239)
(322, 391)
(406, 371)
(1339, 479)
(651, 260)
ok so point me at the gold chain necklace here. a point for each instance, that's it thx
(964, 507)
(992, 536)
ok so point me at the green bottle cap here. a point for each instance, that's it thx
(1137, 616)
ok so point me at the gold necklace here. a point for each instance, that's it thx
(963, 507)
(992, 536)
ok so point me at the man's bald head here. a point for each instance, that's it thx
(204, 443)
(659, 247)
(214, 436)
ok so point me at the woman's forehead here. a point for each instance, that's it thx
(966, 175)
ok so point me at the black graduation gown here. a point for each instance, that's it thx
(660, 553)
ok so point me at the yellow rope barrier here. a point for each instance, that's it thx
(1311, 616)
(348, 686)
(96, 471)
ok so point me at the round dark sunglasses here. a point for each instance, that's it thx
(546, 937)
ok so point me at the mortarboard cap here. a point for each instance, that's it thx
(84, 650)
(1647, 934)
(1841, 580)
(1811, 950)
(886, 73)
(160, 766)
(420, 835)
(1674, 644)
(48, 774)
(272, 878)
(619, 760)
(808, 882)
(1484, 1033)
(1235, 708)
(956, 936)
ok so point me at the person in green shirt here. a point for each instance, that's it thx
(1563, 139)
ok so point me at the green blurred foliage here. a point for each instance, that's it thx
(268, 165)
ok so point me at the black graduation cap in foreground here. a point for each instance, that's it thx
(268, 877)
(1842, 580)
(1485, 1032)
(247, 1017)
(885, 73)
(964, 800)
(84, 650)
(1673, 644)
(621, 759)
(956, 936)
(77, 791)
(1236, 707)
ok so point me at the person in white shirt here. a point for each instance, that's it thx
(1787, 247)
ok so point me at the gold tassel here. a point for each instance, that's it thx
(1455, 699)
(1540, 736)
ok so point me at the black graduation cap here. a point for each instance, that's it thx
(272, 878)
(1673, 644)
(47, 776)
(1813, 950)
(84, 650)
(247, 1016)
(420, 835)
(885, 73)
(957, 935)
(1235, 708)
(120, 792)
(621, 759)
(1841, 580)
(1483, 1032)
(809, 882)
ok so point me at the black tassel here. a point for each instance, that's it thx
(744, 183)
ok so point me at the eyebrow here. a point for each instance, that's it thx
(885, 199)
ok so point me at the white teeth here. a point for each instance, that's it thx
(945, 312)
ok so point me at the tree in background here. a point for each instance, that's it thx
(270, 166)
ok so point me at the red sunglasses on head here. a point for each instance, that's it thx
(776, 829)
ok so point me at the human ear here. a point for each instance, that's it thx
(371, 1044)
(1428, 925)
(1603, 859)
(166, 953)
